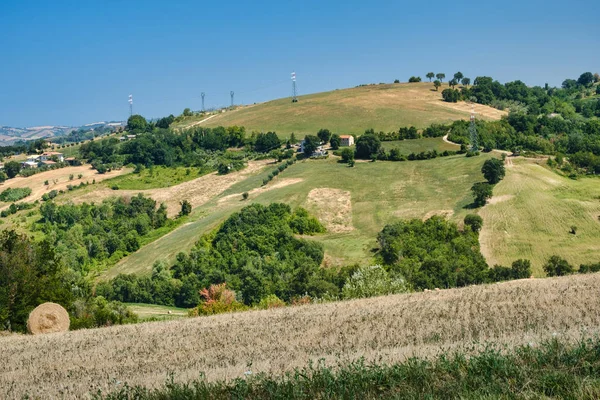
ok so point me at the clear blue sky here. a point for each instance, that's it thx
(75, 62)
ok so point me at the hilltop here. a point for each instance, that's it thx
(384, 107)
(382, 329)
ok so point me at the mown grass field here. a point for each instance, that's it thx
(155, 312)
(353, 203)
(384, 107)
(419, 145)
(155, 177)
(385, 329)
(531, 214)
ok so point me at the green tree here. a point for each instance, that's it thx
(430, 75)
(440, 76)
(310, 145)
(347, 155)
(465, 81)
(186, 208)
(437, 84)
(367, 145)
(586, 79)
(266, 142)
(335, 141)
(12, 169)
(482, 192)
(136, 124)
(557, 266)
(293, 139)
(324, 135)
(521, 269)
(474, 221)
(458, 76)
(493, 170)
(414, 79)
(4, 177)
(187, 112)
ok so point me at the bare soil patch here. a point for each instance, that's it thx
(480, 110)
(333, 207)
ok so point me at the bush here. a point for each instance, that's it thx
(474, 221)
(373, 281)
(217, 300)
(347, 155)
(14, 194)
(557, 266)
(482, 192)
(245, 196)
(186, 208)
(271, 301)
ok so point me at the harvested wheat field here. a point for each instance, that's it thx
(197, 191)
(384, 329)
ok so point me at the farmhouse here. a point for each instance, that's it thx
(47, 156)
(32, 162)
(346, 140)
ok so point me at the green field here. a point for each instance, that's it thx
(155, 312)
(385, 107)
(531, 216)
(155, 177)
(354, 203)
(419, 145)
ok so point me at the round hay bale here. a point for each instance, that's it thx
(48, 318)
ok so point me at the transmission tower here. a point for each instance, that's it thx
(130, 105)
(473, 133)
(294, 98)
(231, 94)
(202, 94)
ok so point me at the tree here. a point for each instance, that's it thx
(187, 112)
(474, 221)
(293, 139)
(440, 76)
(266, 142)
(482, 192)
(396, 80)
(557, 266)
(430, 75)
(335, 141)
(186, 208)
(324, 135)
(458, 76)
(586, 79)
(453, 82)
(136, 123)
(493, 170)
(466, 81)
(414, 79)
(347, 155)
(12, 169)
(521, 269)
(437, 84)
(450, 95)
(596, 77)
(310, 145)
(367, 145)
(4, 177)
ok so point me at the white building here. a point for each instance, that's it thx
(346, 140)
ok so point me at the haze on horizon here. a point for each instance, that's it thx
(72, 64)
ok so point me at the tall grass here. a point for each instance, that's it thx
(554, 369)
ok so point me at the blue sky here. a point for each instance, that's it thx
(75, 62)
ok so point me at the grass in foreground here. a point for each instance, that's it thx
(554, 369)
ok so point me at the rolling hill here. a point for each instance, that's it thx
(383, 107)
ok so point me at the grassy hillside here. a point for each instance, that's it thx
(351, 111)
(353, 203)
(384, 329)
(531, 214)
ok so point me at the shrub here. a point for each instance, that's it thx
(186, 208)
(474, 221)
(245, 195)
(482, 192)
(347, 155)
(557, 266)
(14, 194)
(217, 300)
(373, 281)
(271, 301)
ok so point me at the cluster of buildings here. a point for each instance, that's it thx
(345, 141)
(46, 158)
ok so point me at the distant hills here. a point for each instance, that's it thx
(10, 135)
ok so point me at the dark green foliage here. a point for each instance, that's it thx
(16, 207)
(347, 155)
(335, 141)
(255, 252)
(324, 135)
(482, 192)
(310, 144)
(186, 208)
(137, 124)
(279, 169)
(414, 79)
(97, 311)
(30, 274)
(432, 253)
(589, 268)
(493, 170)
(266, 142)
(12, 168)
(520, 269)
(451, 95)
(557, 266)
(474, 221)
(86, 234)
(367, 145)
(586, 79)
(14, 194)
(552, 369)
(164, 123)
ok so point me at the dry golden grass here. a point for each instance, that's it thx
(384, 329)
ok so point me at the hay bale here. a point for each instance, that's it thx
(48, 318)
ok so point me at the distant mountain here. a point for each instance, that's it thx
(10, 135)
